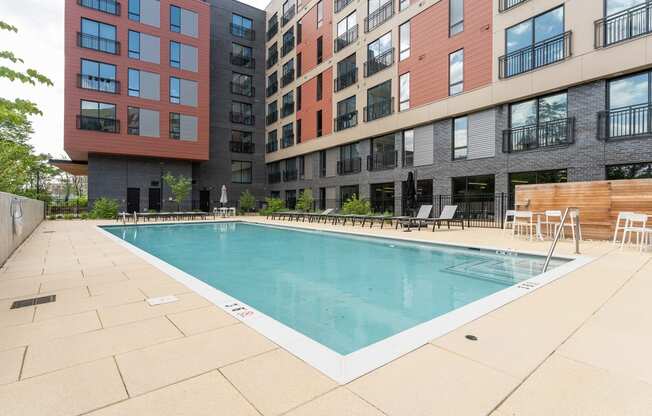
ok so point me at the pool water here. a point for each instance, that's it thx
(345, 292)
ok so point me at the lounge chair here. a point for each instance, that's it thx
(382, 219)
(422, 218)
(311, 216)
(447, 216)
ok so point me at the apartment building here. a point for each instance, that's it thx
(473, 97)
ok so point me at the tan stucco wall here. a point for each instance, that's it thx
(11, 237)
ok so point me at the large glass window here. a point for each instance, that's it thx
(175, 126)
(175, 54)
(408, 148)
(538, 122)
(373, 5)
(98, 110)
(134, 44)
(469, 185)
(348, 192)
(628, 106)
(404, 40)
(460, 137)
(134, 82)
(542, 176)
(382, 197)
(456, 72)
(350, 151)
(379, 101)
(98, 36)
(98, 116)
(456, 17)
(630, 171)
(175, 90)
(241, 26)
(347, 116)
(346, 24)
(98, 76)
(175, 19)
(320, 13)
(133, 121)
(538, 110)
(134, 10)
(383, 153)
(616, 6)
(404, 92)
(380, 46)
(241, 171)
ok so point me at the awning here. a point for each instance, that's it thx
(72, 167)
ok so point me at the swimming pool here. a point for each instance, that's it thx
(328, 296)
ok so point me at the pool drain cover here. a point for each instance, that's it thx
(471, 337)
(33, 301)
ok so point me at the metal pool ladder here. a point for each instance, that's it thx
(575, 212)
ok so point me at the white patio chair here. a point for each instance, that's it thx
(636, 224)
(524, 220)
(552, 221)
(508, 224)
(624, 217)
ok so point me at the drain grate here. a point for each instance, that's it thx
(33, 301)
(48, 232)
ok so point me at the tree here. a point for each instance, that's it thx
(305, 201)
(247, 201)
(180, 187)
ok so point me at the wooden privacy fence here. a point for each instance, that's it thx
(599, 201)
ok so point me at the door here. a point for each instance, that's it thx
(205, 201)
(133, 200)
(154, 199)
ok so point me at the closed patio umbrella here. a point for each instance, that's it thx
(223, 198)
(410, 193)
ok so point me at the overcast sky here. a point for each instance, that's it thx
(39, 42)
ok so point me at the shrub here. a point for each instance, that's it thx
(104, 208)
(68, 217)
(273, 205)
(52, 217)
(356, 206)
(180, 187)
(305, 201)
(247, 201)
(83, 216)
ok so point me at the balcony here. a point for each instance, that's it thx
(349, 166)
(272, 59)
(271, 89)
(242, 88)
(104, 125)
(619, 27)
(346, 38)
(91, 82)
(540, 54)
(378, 63)
(98, 43)
(242, 32)
(242, 147)
(552, 133)
(626, 122)
(341, 4)
(346, 121)
(346, 79)
(287, 141)
(382, 161)
(290, 175)
(288, 15)
(272, 30)
(274, 177)
(239, 117)
(378, 17)
(271, 146)
(379, 110)
(287, 109)
(287, 78)
(504, 5)
(287, 47)
(242, 60)
(271, 118)
(106, 6)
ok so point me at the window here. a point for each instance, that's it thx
(298, 131)
(175, 126)
(288, 41)
(408, 148)
(299, 31)
(134, 44)
(242, 113)
(538, 111)
(347, 192)
(299, 98)
(483, 184)
(628, 104)
(241, 171)
(347, 73)
(175, 90)
(542, 176)
(98, 36)
(380, 54)
(383, 153)
(242, 84)
(379, 101)
(320, 13)
(404, 39)
(134, 10)
(630, 171)
(319, 123)
(175, 19)
(373, 5)
(98, 76)
(299, 64)
(346, 31)
(456, 72)
(456, 17)
(320, 49)
(322, 163)
(460, 137)
(98, 116)
(175, 54)
(347, 116)
(404, 92)
(133, 119)
(382, 197)
(134, 82)
(403, 4)
(241, 26)
(538, 123)
(320, 87)
(288, 136)
(288, 104)
(244, 53)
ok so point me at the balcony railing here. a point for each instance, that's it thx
(382, 161)
(272, 59)
(349, 166)
(287, 78)
(378, 63)
(288, 15)
(271, 146)
(379, 110)
(239, 59)
(346, 79)
(98, 43)
(272, 30)
(536, 56)
(242, 88)
(104, 125)
(274, 177)
(290, 175)
(624, 25)
(242, 32)
(106, 6)
(271, 117)
(341, 4)
(287, 47)
(626, 122)
(346, 121)
(242, 147)
(287, 109)
(271, 89)
(379, 16)
(287, 141)
(504, 5)
(91, 82)
(535, 136)
(239, 117)
(346, 38)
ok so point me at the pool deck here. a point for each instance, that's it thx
(577, 346)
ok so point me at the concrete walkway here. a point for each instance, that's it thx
(578, 346)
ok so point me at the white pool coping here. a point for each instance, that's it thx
(345, 368)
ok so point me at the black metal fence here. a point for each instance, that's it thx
(624, 25)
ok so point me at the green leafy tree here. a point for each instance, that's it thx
(272, 205)
(180, 187)
(247, 201)
(305, 201)
(104, 208)
(356, 206)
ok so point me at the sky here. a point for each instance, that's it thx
(39, 42)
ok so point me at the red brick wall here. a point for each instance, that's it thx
(310, 106)
(310, 33)
(430, 47)
(78, 143)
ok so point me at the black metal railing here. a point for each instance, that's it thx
(239, 117)
(271, 146)
(243, 88)
(84, 40)
(288, 15)
(504, 5)
(378, 63)
(379, 16)
(536, 56)
(349, 166)
(287, 77)
(271, 117)
(346, 79)
(105, 125)
(243, 60)
(287, 47)
(272, 30)
(271, 89)
(287, 141)
(106, 6)
(535, 136)
(242, 32)
(91, 82)
(346, 120)
(287, 109)
(341, 4)
(623, 25)
(382, 160)
(290, 175)
(625, 122)
(379, 110)
(274, 177)
(242, 147)
(346, 38)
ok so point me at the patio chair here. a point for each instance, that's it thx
(447, 216)
(311, 216)
(524, 220)
(508, 224)
(422, 217)
(636, 224)
(552, 221)
(623, 216)
(382, 219)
